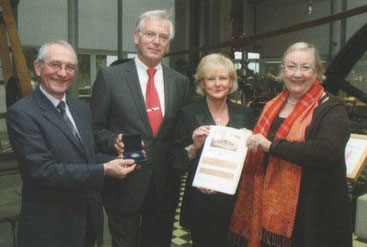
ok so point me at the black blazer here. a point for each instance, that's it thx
(201, 212)
(118, 106)
(60, 179)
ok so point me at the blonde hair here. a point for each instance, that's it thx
(306, 47)
(211, 63)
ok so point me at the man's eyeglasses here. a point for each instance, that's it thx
(151, 35)
(70, 68)
(294, 68)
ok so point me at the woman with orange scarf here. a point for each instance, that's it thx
(293, 191)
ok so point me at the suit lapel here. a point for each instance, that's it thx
(54, 116)
(168, 96)
(168, 90)
(79, 122)
(203, 115)
(236, 119)
(135, 90)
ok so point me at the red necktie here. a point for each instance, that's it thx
(152, 101)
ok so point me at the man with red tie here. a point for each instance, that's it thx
(141, 96)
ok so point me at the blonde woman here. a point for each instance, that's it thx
(206, 213)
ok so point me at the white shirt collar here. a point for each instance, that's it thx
(55, 101)
(142, 66)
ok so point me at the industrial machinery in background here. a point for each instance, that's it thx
(256, 89)
(336, 75)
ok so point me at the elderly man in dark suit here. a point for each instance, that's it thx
(141, 96)
(62, 175)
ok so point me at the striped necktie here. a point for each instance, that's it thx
(61, 106)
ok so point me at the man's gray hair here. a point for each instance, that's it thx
(43, 51)
(157, 15)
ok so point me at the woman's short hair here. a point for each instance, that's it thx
(308, 47)
(157, 15)
(43, 51)
(211, 63)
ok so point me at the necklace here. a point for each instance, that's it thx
(290, 102)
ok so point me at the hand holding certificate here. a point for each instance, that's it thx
(222, 159)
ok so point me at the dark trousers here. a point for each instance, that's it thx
(150, 227)
(90, 236)
(212, 239)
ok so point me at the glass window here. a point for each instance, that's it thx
(30, 55)
(357, 110)
(358, 75)
(4, 143)
(237, 60)
(101, 62)
(254, 64)
(271, 67)
(111, 59)
(131, 55)
(84, 74)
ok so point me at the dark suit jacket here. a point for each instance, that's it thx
(60, 179)
(118, 106)
(202, 212)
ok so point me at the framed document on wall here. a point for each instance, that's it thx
(355, 156)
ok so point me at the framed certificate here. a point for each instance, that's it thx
(355, 156)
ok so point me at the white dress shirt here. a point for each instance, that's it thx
(158, 81)
(56, 101)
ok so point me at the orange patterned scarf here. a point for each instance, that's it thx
(267, 202)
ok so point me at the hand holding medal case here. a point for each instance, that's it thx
(133, 148)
